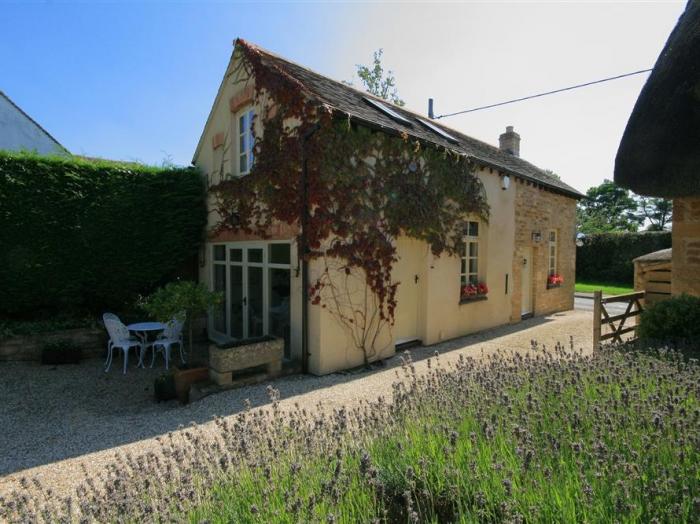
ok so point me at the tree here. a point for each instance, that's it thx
(376, 82)
(607, 208)
(658, 212)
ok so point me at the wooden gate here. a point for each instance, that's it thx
(615, 324)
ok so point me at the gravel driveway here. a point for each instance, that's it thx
(54, 419)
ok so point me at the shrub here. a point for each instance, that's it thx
(607, 257)
(91, 235)
(181, 298)
(675, 321)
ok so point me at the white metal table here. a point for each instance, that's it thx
(142, 330)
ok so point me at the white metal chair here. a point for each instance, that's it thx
(171, 335)
(119, 337)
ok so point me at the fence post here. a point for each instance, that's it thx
(597, 313)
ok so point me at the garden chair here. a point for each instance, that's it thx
(172, 334)
(120, 338)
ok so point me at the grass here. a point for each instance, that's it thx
(614, 437)
(608, 289)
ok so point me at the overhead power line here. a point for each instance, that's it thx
(545, 94)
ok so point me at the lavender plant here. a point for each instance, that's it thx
(552, 436)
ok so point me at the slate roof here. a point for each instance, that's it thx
(659, 153)
(350, 101)
(3, 95)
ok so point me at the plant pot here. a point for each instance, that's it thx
(164, 387)
(184, 378)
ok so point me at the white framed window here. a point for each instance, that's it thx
(246, 140)
(469, 273)
(552, 254)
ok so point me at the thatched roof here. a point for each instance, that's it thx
(659, 154)
(663, 255)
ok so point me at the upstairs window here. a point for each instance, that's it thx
(470, 257)
(246, 140)
(552, 260)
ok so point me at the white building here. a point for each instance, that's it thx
(18, 131)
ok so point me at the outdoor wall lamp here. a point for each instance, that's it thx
(505, 182)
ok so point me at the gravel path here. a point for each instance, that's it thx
(54, 419)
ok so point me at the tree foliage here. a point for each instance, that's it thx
(611, 208)
(377, 82)
(606, 208)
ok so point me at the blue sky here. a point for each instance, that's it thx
(135, 81)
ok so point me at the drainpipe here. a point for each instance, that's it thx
(304, 249)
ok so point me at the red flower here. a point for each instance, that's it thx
(482, 288)
(555, 280)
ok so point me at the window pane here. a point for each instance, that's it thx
(279, 254)
(241, 144)
(243, 164)
(552, 251)
(463, 280)
(473, 279)
(552, 236)
(255, 301)
(220, 253)
(473, 229)
(473, 249)
(464, 266)
(473, 265)
(219, 316)
(255, 255)
(279, 306)
(236, 254)
(237, 301)
(241, 124)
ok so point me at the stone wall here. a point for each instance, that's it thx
(538, 211)
(686, 246)
(93, 342)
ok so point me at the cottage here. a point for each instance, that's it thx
(513, 261)
(659, 154)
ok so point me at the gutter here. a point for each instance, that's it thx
(304, 250)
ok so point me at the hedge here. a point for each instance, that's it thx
(607, 257)
(84, 235)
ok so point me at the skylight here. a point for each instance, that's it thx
(387, 111)
(433, 127)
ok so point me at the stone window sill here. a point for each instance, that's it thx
(469, 300)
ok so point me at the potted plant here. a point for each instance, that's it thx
(164, 387)
(474, 291)
(183, 299)
(185, 375)
(60, 352)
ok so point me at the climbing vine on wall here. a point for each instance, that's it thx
(364, 188)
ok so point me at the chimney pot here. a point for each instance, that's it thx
(510, 141)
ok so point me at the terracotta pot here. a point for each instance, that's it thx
(184, 378)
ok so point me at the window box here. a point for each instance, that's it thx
(475, 298)
(554, 280)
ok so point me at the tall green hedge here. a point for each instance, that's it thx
(607, 257)
(82, 235)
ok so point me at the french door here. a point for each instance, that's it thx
(254, 278)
